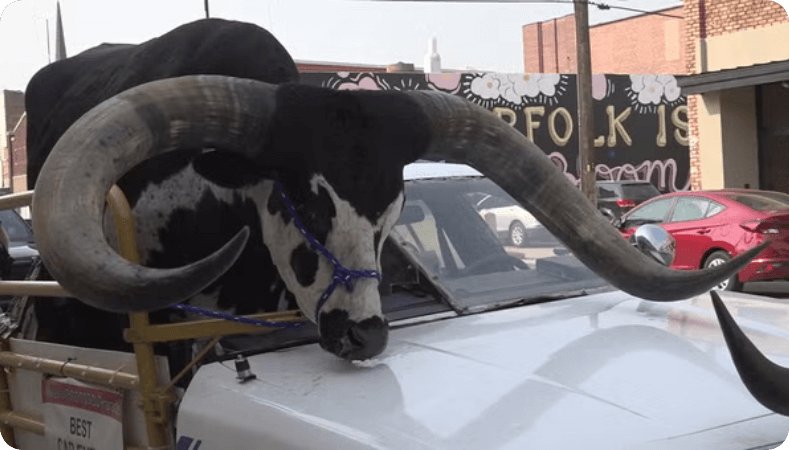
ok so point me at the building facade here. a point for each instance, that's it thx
(735, 62)
(13, 128)
(737, 59)
(648, 43)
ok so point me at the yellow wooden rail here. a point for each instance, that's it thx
(155, 400)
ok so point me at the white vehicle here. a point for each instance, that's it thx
(485, 352)
(513, 225)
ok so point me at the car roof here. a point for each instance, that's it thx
(717, 194)
(723, 192)
(428, 170)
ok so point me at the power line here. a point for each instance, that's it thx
(599, 5)
(604, 6)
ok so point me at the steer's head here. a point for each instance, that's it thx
(339, 164)
(339, 157)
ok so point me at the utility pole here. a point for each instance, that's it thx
(585, 111)
(205, 2)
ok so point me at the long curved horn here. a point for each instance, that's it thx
(768, 382)
(466, 133)
(189, 112)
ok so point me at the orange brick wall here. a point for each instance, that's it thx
(720, 17)
(709, 18)
(640, 45)
(636, 45)
(531, 49)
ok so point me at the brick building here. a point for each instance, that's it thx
(12, 108)
(734, 56)
(647, 43)
(738, 65)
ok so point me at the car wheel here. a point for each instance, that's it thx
(719, 258)
(518, 234)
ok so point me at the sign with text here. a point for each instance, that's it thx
(78, 416)
(640, 121)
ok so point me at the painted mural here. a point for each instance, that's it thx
(640, 120)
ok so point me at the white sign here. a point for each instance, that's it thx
(78, 416)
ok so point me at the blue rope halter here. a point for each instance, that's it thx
(341, 275)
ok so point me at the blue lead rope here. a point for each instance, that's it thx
(230, 317)
(341, 275)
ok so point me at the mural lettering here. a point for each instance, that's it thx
(640, 120)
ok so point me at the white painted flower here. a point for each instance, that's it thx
(486, 86)
(670, 88)
(648, 88)
(515, 86)
(636, 82)
(548, 82)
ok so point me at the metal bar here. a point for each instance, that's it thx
(16, 200)
(206, 328)
(82, 372)
(192, 363)
(23, 422)
(6, 430)
(33, 288)
(154, 405)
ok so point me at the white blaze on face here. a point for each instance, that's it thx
(351, 240)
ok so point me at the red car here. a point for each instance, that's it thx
(711, 227)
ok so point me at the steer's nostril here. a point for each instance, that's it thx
(354, 337)
(353, 340)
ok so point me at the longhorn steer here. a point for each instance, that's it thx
(187, 203)
(339, 156)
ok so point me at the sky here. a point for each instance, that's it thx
(483, 36)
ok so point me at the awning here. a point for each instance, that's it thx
(734, 78)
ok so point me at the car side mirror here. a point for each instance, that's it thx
(615, 221)
(654, 241)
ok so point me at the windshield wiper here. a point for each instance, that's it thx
(542, 298)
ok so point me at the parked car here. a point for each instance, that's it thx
(21, 248)
(22, 245)
(711, 227)
(621, 196)
(513, 224)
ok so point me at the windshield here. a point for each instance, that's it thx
(18, 232)
(639, 191)
(763, 201)
(462, 233)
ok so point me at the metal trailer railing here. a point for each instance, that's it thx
(156, 399)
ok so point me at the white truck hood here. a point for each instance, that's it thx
(602, 371)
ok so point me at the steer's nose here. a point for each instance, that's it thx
(353, 340)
